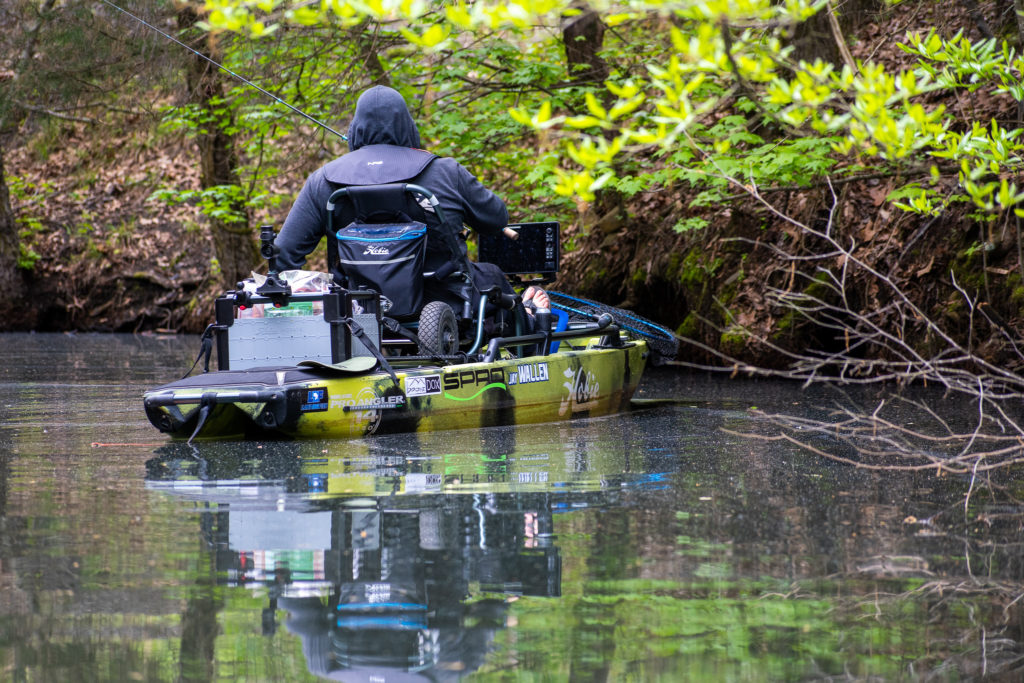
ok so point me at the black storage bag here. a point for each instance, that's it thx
(386, 257)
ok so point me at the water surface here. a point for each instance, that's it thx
(656, 545)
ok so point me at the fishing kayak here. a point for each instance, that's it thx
(588, 376)
(301, 357)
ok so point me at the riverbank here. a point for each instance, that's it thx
(99, 252)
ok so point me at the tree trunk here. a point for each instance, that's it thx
(199, 627)
(12, 283)
(8, 226)
(15, 310)
(369, 42)
(820, 37)
(1018, 9)
(233, 242)
(583, 36)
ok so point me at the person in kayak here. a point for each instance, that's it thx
(384, 144)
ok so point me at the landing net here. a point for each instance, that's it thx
(662, 342)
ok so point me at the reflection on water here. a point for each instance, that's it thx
(379, 589)
(397, 555)
(656, 545)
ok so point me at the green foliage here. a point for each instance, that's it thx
(716, 626)
(27, 257)
(716, 102)
(26, 192)
(47, 140)
(29, 199)
(308, 67)
(315, 68)
(509, 52)
(917, 199)
(223, 203)
(696, 269)
(69, 59)
(691, 223)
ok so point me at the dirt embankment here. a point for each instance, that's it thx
(708, 284)
(98, 253)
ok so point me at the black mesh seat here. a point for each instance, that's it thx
(392, 238)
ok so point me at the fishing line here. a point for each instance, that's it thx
(227, 70)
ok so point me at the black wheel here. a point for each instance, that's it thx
(439, 331)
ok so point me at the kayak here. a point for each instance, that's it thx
(588, 376)
(301, 357)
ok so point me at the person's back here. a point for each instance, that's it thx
(385, 145)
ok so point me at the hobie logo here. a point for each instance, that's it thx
(583, 391)
(376, 251)
(374, 163)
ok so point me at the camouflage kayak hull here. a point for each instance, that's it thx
(300, 402)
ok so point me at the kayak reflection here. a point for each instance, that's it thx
(393, 556)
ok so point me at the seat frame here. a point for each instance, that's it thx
(455, 277)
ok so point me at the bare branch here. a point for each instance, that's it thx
(56, 114)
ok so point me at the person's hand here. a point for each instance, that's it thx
(537, 297)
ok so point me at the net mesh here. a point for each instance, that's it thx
(662, 342)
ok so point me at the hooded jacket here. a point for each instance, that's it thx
(384, 142)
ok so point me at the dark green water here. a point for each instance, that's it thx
(650, 546)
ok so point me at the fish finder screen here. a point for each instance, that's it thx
(534, 251)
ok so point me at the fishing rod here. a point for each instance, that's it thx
(227, 70)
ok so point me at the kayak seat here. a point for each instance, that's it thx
(392, 239)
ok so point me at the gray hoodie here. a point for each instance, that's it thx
(384, 141)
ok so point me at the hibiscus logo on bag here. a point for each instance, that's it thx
(376, 251)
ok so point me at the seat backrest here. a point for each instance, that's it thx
(380, 245)
(375, 204)
(386, 203)
(375, 228)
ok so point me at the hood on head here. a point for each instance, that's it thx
(382, 118)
